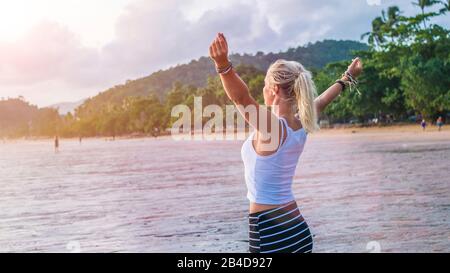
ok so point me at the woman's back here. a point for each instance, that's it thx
(269, 178)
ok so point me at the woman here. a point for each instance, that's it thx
(275, 222)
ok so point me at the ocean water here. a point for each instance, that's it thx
(363, 192)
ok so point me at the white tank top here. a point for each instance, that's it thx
(269, 178)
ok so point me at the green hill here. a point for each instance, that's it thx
(19, 118)
(314, 55)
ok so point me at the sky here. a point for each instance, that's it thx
(54, 51)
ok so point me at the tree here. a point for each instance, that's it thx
(423, 4)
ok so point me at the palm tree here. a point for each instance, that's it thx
(381, 25)
(446, 7)
(393, 14)
(425, 4)
(393, 17)
(376, 36)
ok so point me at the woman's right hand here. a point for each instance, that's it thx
(218, 51)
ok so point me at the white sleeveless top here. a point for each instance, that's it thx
(269, 178)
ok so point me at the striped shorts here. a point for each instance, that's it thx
(282, 230)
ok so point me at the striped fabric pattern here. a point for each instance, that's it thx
(279, 230)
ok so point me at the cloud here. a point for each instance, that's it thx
(50, 64)
(150, 37)
(48, 52)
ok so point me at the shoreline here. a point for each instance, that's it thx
(338, 129)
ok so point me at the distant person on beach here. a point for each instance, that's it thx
(275, 221)
(155, 132)
(439, 123)
(423, 124)
(56, 144)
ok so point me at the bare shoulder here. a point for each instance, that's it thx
(294, 123)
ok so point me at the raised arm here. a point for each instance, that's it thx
(267, 125)
(321, 102)
(234, 86)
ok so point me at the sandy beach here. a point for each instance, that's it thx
(360, 189)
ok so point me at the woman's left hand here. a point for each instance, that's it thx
(355, 68)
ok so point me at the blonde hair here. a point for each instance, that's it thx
(297, 84)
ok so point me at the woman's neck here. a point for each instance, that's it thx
(283, 110)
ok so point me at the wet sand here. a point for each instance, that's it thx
(388, 185)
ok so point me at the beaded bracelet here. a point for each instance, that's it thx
(225, 70)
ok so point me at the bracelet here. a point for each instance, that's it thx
(350, 77)
(352, 82)
(342, 83)
(225, 70)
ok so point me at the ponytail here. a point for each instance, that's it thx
(305, 93)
